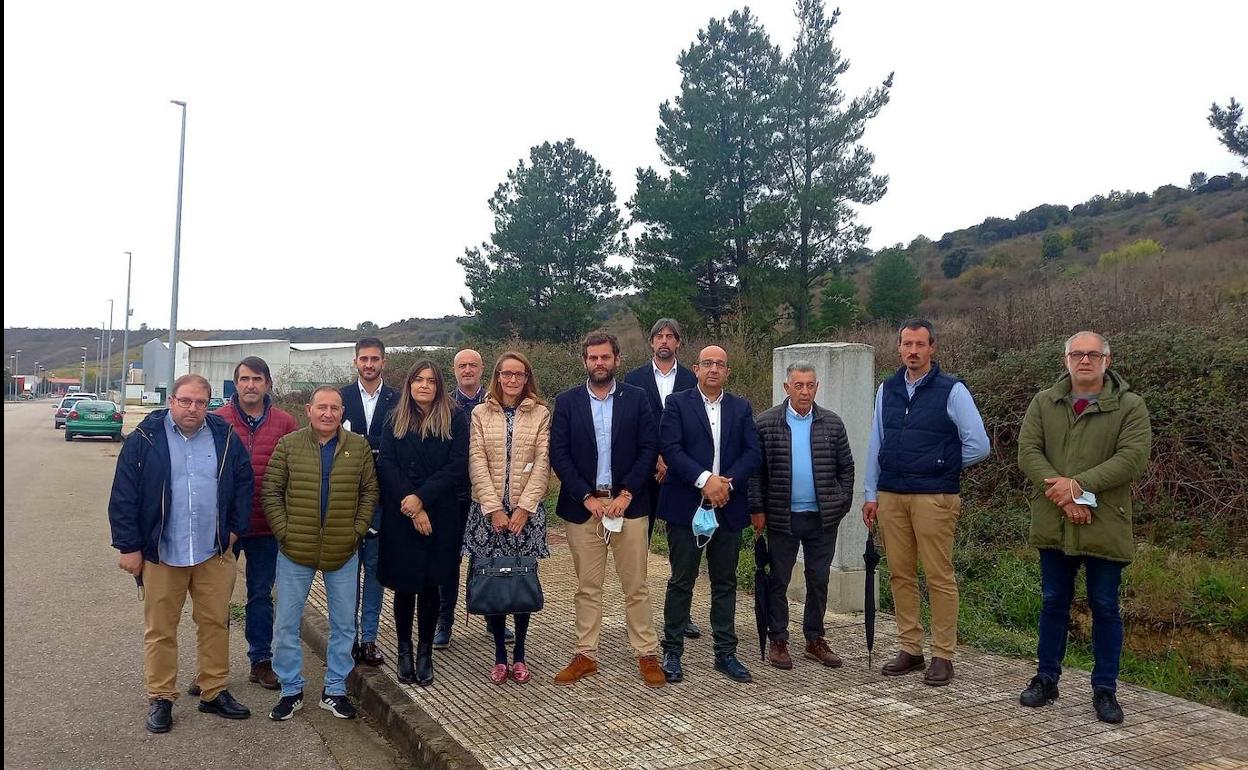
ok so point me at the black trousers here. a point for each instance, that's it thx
(818, 546)
(721, 560)
(449, 591)
(423, 607)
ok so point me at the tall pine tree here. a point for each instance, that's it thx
(822, 167)
(555, 224)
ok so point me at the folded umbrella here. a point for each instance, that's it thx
(762, 596)
(871, 558)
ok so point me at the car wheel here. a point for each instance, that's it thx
(116, 437)
(68, 436)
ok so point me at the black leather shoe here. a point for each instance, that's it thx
(672, 671)
(424, 664)
(1106, 705)
(407, 668)
(692, 631)
(370, 655)
(224, 705)
(729, 666)
(1041, 692)
(160, 716)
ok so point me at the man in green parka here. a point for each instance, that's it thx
(1083, 442)
(319, 493)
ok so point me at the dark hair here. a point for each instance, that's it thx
(256, 364)
(407, 417)
(190, 379)
(599, 338)
(914, 324)
(665, 323)
(324, 389)
(370, 342)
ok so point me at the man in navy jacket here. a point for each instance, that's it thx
(174, 517)
(365, 405)
(708, 439)
(602, 446)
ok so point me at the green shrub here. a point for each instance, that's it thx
(1130, 254)
(978, 276)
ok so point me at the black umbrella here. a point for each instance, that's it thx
(872, 559)
(762, 595)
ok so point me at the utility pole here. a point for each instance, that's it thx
(177, 256)
(125, 336)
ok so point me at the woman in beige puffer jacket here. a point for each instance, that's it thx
(509, 464)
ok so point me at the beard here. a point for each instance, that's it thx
(602, 378)
(664, 353)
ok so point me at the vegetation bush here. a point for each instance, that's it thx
(1130, 254)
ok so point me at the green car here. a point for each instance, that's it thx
(216, 402)
(93, 418)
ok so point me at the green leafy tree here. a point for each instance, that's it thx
(1081, 238)
(1052, 246)
(823, 168)
(1197, 180)
(953, 263)
(366, 327)
(715, 214)
(838, 304)
(895, 287)
(1230, 132)
(555, 224)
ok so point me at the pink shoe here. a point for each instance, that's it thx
(498, 674)
(520, 673)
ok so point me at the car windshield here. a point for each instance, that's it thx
(98, 407)
(68, 402)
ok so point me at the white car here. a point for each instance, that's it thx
(67, 403)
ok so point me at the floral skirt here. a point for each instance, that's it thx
(480, 539)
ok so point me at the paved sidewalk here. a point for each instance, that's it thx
(810, 717)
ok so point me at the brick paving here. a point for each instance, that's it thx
(809, 717)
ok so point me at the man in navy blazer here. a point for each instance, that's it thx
(708, 439)
(660, 377)
(365, 405)
(602, 446)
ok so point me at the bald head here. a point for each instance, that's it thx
(712, 370)
(468, 368)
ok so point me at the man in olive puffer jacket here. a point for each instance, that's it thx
(319, 494)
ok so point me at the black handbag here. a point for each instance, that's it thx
(504, 585)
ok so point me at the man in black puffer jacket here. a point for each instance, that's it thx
(802, 491)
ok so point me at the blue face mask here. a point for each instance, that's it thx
(704, 523)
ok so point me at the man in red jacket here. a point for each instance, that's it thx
(259, 424)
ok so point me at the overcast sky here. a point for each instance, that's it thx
(339, 156)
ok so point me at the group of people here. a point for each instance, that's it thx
(390, 488)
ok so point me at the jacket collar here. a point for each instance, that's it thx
(1107, 401)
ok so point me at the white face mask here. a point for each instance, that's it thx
(608, 525)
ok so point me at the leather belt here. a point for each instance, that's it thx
(600, 493)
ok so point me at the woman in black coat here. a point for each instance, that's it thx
(422, 465)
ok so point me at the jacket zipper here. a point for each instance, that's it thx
(221, 469)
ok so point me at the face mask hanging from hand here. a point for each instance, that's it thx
(608, 525)
(704, 523)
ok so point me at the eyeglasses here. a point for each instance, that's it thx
(1092, 355)
(513, 375)
(187, 403)
(713, 364)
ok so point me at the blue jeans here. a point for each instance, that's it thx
(261, 562)
(1057, 578)
(370, 602)
(294, 581)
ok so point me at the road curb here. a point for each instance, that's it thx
(413, 732)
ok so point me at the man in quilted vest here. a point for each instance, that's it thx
(926, 429)
(259, 424)
(319, 493)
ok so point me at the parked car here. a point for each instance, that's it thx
(66, 403)
(216, 402)
(90, 417)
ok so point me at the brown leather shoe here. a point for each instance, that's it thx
(262, 674)
(778, 654)
(580, 667)
(820, 651)
(903, 664)
(940, 673)
(651, 673)
(370, 655)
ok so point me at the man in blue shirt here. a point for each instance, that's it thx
(925, 431)
(803, 489)
(181, 498)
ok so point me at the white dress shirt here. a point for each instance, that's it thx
(370, 405)
(666, 383)
(713, 412)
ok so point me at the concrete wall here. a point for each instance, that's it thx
(156, 363)
(846, 375)
(323, 365)
(216, 363)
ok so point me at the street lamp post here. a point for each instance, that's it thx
(17, 362)
(177, 255)
(99, 357)
(13, 376)
(125, 336)
(83, 384)
(108, 358)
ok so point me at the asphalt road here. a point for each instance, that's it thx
(73, 637)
